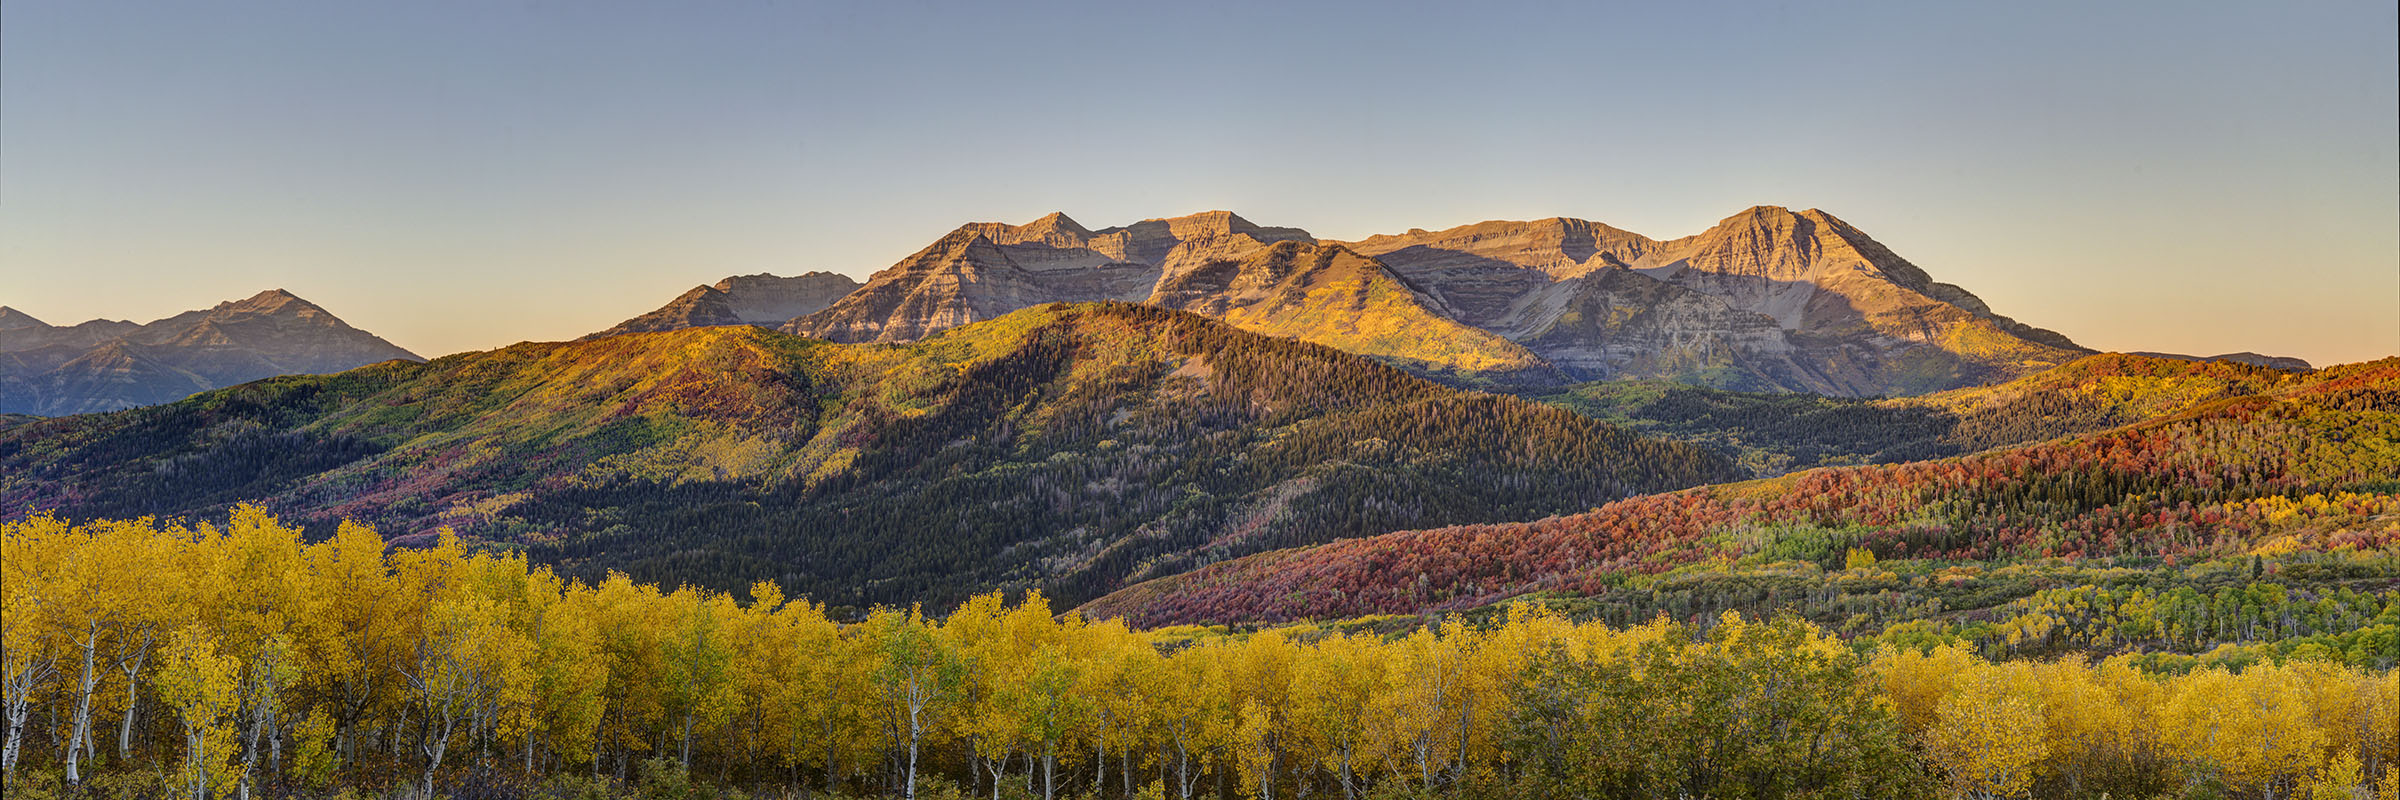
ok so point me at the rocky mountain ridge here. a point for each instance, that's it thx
(106, 365)
(1766, 300)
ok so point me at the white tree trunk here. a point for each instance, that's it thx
(83, 703)
(133, 670)
(19, 689)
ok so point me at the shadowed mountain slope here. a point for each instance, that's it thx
(762, 299)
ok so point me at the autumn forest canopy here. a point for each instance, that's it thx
(236, 660)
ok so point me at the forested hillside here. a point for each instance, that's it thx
(2288, 495)
(237, 661)
(1773, 434)
(1069, 447)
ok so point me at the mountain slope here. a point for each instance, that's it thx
(2303, 468)
(104, 366)
(1766, 300)
(1776, 433)
(1072, 447)
(761, 299)
(1332, 296)
(986, 269)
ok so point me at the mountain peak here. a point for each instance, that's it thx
(1207, 224)
(11, 319)
(1757, 217)
(1058, 221)
(271, 301)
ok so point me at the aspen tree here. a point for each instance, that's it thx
(1190, 707)
(570, 676)
(918, 677)
(202, 685)
(1986, 736)
(987, 661)
(1334, 687)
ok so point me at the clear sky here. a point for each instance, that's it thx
(2187, 176)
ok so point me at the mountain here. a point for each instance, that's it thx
(761, 299)
(105, 365)
(1069, 447)
(1768, 300)
(987, 269)
(2301, 473)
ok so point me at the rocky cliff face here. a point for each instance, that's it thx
(761, 299)
(986, 269)
(1768, 299)
(104, 365)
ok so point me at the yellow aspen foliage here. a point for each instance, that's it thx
(2253, 729)
(312, 749)
(1333, 689)
(243, 653)
(203, 686)
(1255, 752)
(1917, 682)
(1987, 736)
(2339, 779)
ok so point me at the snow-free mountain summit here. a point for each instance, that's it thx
(1768, 299)
(106, 365)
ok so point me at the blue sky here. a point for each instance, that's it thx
(2198, 177)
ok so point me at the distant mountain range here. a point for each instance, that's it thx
(1767, 300)
(106, 365)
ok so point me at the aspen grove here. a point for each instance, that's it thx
(240, 660)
